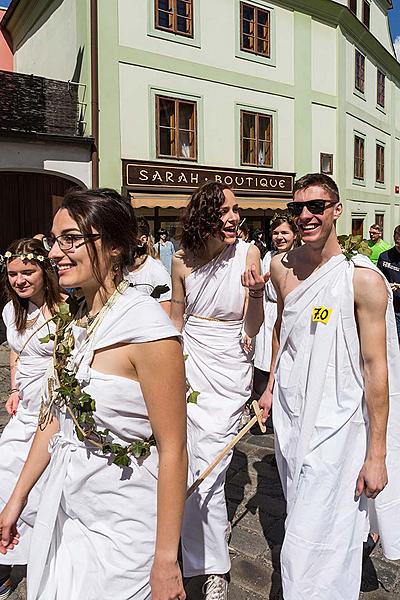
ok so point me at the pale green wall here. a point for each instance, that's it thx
(50, 50)
(310, 92)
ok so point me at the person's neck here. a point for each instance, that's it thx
(96, 296)
(319, 255)
(38, 299)
(214, 246)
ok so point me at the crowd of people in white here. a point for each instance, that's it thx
(126, 384)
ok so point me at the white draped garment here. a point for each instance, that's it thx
(263, 341)
(17, 436)
(221, 371)
(151, 274)
(94, 535)
(321, 427)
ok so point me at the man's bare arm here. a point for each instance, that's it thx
(370, 298)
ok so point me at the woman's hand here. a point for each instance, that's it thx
(252, 280)
(166, 581)
(247, 342)
(13, 402)
(8, 524)
(265, 402)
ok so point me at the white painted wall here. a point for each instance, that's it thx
(218, 30)
(51, 49)
(323, 49)
(220, 137)
(323, 135)
(62, 159)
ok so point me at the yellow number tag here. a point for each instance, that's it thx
(321, 314)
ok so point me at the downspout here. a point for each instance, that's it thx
(94, 80)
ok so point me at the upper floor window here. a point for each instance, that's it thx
(353, 6)
(366, 13)
(256, 139)
(359, 71)
(380, 92)
(359, 143)
(175, 16)
(380, 163)
(176, 128)
(255, 30)
(326, 163)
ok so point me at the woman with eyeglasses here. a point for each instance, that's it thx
(31, 286)
(113, 430)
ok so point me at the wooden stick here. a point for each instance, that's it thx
(257, 418)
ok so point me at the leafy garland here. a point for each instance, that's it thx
(65, 390)
(354, 244)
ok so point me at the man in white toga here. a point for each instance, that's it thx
(335, 401)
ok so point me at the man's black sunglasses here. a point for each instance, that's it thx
(315, 207)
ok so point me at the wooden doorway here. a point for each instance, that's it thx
(28, 202)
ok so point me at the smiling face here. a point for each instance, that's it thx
(26, 279)
(283, 237)
(75, 266)
(315, 229)
(230, 217)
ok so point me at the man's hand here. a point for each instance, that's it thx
(373, 478)
(265, 402)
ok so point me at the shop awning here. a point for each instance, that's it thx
(181, 200)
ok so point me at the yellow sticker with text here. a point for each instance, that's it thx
(321, 314)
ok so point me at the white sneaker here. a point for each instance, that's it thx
(215, 588)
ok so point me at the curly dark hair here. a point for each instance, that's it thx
(202, 217)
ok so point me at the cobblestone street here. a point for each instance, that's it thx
(257, 512)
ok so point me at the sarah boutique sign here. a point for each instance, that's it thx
(153, 176)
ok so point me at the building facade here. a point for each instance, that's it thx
(249, 92)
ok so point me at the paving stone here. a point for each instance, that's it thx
(250, 544)
(251, 575)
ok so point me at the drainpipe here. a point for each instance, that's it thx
(94, 80)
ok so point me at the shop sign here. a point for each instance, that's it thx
(153, 176)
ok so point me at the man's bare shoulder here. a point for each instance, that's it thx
(286, 260)
(369, 286)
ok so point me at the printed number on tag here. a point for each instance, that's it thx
(321, 314)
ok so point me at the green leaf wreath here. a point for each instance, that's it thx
(354, 244)
(79, 404)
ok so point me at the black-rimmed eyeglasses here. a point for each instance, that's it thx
(68, 241)
(315, 207)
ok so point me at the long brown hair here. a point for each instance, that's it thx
(104, 210)
(51, 289)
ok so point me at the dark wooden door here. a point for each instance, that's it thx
(27, 203)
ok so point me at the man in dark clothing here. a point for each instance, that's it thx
(389, 264)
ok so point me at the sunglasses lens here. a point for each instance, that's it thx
(315, 207)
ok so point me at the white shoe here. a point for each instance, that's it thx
(215, 588)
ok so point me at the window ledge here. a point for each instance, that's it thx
(381, 109)
(359, 182)
(359, 94)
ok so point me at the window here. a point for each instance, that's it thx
(366, 13)
(358, 157)
(256, 139)
(380, 163)
(326, 163)
(176, 128)
(379, 220)
(255, 30)
(175, 16)
(353, 6)
(380, 92)
(360, 72)
(357, 226)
